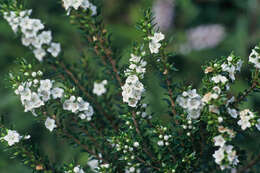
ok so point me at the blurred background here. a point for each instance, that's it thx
(199, 30)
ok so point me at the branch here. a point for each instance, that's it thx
(250, 165)
(93, 100)
(247, 91)
(139, 133)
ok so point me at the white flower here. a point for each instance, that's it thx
(27, 41)
(12, 137)
(44, 94)
(219, 141)
(27, 137)
(154, 47)
(50, 124)
(132, 79)
(68, 103)
(136, 144)
(245, 117)
(77, 169)
(83, 106)
(183, 102)
(57, 92)
(193, 113)
(219, 155)
(34, 74)
(93, 164)
(45, 84)
(132, 91)
(99, 88)
(54, 49)
(135, 58)
(39, 54)
(89, 112)
(45, 37)
(37, 24)
(157, 37)
(219, 78)
(26, 94)
(216, 89)
(104, 166)
(85, 4)
(232, 112)
(33, 102)
(254, 57)
(231, 69)
(160, 143)
(93, 9)
(192, 102)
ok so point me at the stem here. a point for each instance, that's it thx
(107, 50)
(139, 133)
(90, 137)
(141, 160)
(250, 164)
(76, 81)
(168, 83)
(67, 134)
(85, 147)
(247, 91)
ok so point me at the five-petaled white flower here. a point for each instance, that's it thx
(50, 124)
(12, 137)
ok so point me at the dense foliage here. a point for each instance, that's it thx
(128, 108)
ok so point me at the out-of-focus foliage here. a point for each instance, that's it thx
(240, 19)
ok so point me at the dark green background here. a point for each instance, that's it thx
(240, 17)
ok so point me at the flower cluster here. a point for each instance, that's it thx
(76, 169)
(133, 88)
(79, 106)
(163, 137)
(35, 93)
(12, 137)
(76, 4)
(245, 117)
(222, 73)
(214, 94)
(230, 66)
(254, 57)
(191, 102)
(137, 66)
(188, 126)
(226, 157)
(32, 35)
(155, 44)
(142, 112)
(128, 147)
(99, 88)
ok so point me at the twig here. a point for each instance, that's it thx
(139, 133)
(76, 81)
(250, 165)
(247, 91)
(83, 146)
